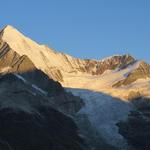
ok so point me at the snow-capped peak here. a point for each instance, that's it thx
(74, 72)
(23, 45)
(55, 64)
(113, 56)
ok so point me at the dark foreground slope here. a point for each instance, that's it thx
(28, 122)
(136, 128)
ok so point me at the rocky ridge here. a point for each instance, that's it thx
(142, 72)
(55, 64)
(28, 120)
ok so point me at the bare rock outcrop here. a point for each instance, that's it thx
(142, 72)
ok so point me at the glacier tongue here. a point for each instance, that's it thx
(103, 112)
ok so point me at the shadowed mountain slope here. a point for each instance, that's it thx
(28, 121)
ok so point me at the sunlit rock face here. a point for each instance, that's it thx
(141, 72)
(110, 63)
(10, 61)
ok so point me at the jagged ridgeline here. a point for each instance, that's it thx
(16, 48)
(54, 64)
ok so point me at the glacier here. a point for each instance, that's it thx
(103, 112)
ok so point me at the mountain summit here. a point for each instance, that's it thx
(113, 72)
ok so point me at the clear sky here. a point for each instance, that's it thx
(83, 28)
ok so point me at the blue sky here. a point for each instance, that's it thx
(83, 28)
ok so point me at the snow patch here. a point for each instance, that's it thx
(21, 78)
(33, 85)
(39, 89)
(102, 83)
(110, 57)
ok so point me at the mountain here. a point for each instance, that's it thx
(96, 94)
(54, 64)
(18, 52)
(27, 120)
(11, 61)
(33, 107)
